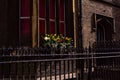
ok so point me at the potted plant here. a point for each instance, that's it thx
(57, 42)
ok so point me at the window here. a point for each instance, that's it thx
(53, 16)
(104, 27)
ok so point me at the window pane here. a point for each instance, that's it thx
(52, 9)
(62, 28)
(52, 27)
(25, 8)
(42, 27)
(25, 33)
(25, 27)
(42, 8)
(62, 10)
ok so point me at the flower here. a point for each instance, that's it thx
(46, 38)
(55, 41)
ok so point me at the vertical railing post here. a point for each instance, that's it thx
(90, 64)
(82, 69)
(80, 66)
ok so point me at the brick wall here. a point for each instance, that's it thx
(88, 8)
(116, 15)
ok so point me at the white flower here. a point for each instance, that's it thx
(46, 38)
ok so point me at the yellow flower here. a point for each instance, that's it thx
(57, 40)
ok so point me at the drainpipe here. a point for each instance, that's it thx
(80, 24)
(80, 62)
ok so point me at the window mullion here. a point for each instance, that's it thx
(64, 17)
(47, 16)
(19, 23)
(57, 16)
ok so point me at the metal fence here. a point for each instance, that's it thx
(57, 64)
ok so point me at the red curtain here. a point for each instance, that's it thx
(25, 27)
(52, 27)
(42, 27)
(25, 23)
(52, 9)
(62, 10)
(62, 28)
(42, 8)
(25, 8)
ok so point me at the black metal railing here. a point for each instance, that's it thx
(57, 64)
(107, 44)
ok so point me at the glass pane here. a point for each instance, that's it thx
(52, 27)
(62, 28)
(25, 33)
(25, 27)
(52, 9)
(25, 8)
(62, 10)
(42, 8)
(42, 27)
